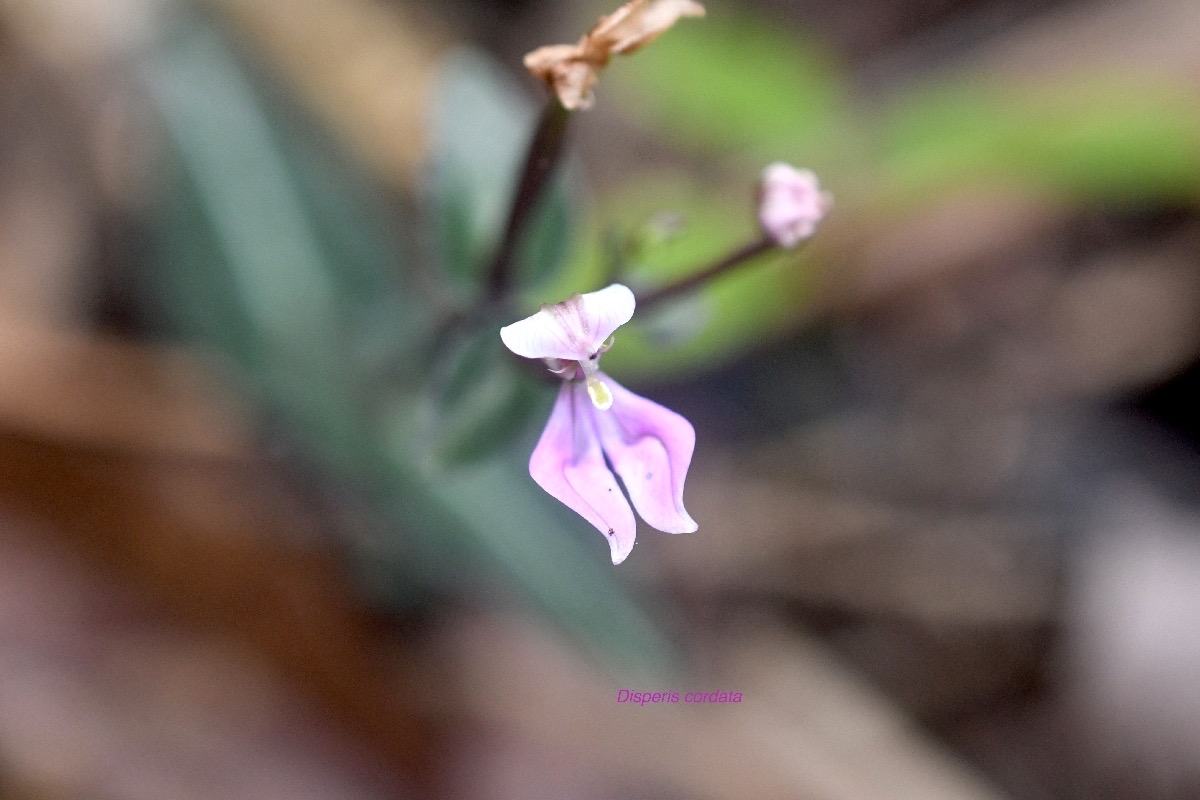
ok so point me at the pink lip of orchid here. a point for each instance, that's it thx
(790, 204)
(594, 417)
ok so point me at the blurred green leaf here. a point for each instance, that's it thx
(562, 561)
(704, 327)
(482, 125)
(272, 249)
(1084, 139)
(735, 83)
(270, 257)
(506, 521)
(478, 402)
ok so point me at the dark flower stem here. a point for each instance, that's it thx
(545, 151)
(737, 258)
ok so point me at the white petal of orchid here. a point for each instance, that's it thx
(650, 447)
(573, 330)
(541, 336)
(607, 310)
(569, 465)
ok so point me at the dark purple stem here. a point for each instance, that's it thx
(545, 151)
(735, 259)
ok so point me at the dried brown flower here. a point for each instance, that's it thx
(571, 70)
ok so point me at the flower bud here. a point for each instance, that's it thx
(790, 204)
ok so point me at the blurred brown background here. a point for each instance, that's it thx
(975, 574)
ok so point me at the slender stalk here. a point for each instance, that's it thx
(545, 151)
(735, 259)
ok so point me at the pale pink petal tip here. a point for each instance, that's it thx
(620, 546)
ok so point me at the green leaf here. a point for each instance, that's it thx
(489, 517)
(482, 125)
(735, 83)
(478, 402)
(1082, 139)
(562, 561)
(265, 249)
(272, 250)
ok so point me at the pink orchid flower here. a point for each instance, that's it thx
(594, 417)
(790, 204)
